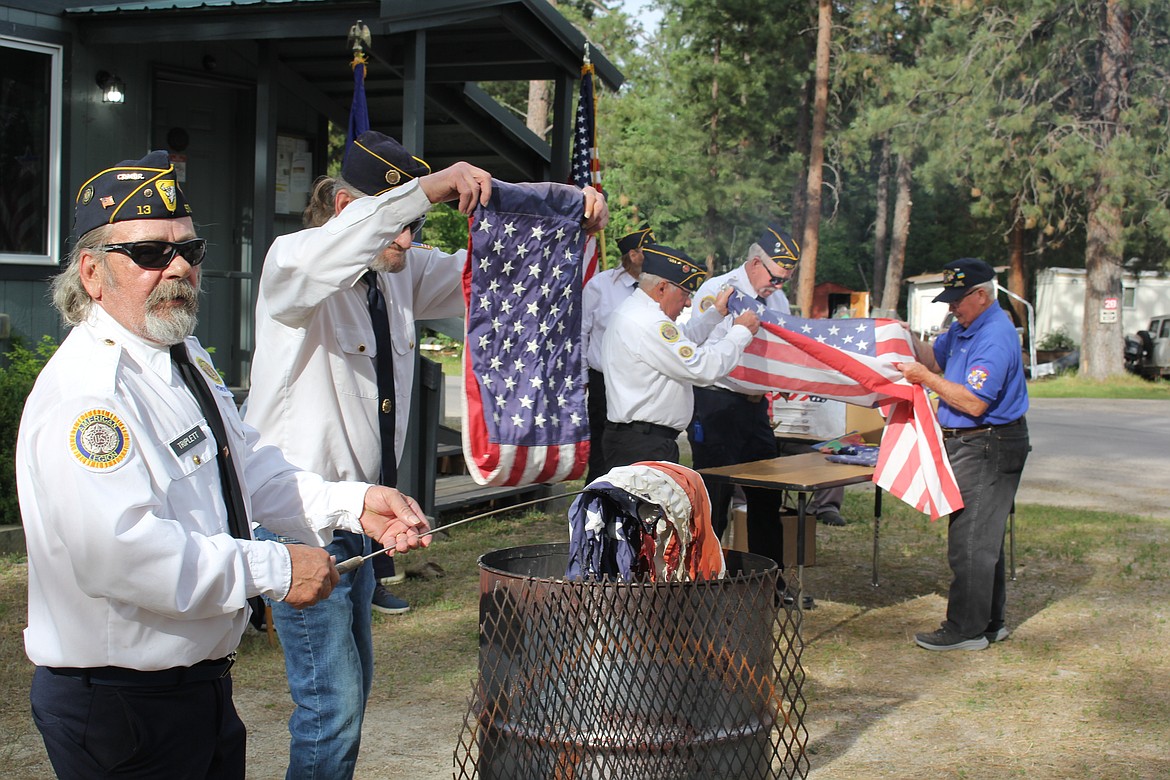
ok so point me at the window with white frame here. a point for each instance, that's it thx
(30, 143)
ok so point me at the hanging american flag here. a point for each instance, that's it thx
(586, 164)
(524, 418)
(852, 360)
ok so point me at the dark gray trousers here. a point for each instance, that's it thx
(987, 466)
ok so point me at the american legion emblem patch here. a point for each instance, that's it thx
(99, 440)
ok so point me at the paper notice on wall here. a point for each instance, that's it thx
(294, 171)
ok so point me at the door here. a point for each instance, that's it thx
(205, 127)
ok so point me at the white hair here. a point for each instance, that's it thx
(70, 297)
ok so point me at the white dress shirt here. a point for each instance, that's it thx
(650, 362)
(737, 278)
(131, 562)
(602, 295)
(314, 385)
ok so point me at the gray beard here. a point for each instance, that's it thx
(174, 325)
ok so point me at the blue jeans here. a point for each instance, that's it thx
(987, 466)
(329, 660)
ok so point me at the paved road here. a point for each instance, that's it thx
(1110, 455)
(1099, 454)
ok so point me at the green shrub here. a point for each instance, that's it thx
(18, 372)
(1058, 339)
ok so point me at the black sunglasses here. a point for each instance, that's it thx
(416, 227)
(157, 255)
(777, 281)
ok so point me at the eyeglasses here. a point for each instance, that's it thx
(416, 227)
(157, 255)
(777, 281)
(966, 295)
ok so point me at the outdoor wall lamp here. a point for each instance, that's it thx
(113, 88)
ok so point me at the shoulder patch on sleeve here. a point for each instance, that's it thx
(99, 440)
(707, 302)
(976, 377)
(687, 353)
(669, 332)
(210, 372)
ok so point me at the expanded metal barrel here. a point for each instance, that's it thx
(693, 680)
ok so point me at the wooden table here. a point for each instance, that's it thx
(803, 474)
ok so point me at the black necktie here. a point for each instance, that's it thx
(384, 367)
(233, 495)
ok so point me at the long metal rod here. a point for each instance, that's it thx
(350, 564)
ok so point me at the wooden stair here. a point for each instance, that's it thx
(457, 495)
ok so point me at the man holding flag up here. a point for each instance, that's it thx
(335, 302)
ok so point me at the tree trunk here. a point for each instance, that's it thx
(710, 230)
(816, 160)
(881, 228)
(800, 144)
(1101, 354)
(1016, 269)
(537, 118)
(902, 204)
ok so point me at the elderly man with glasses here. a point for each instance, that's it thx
(976, 368)
(138, 487)
(732, 425)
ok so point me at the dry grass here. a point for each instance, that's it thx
(1081, 689)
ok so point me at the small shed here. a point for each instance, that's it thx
(835, 300)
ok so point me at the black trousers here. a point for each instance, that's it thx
(730, 428)
(595, 405)
(180, 732)
(626, 445)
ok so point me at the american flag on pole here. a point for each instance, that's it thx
(359, 115)
(852, 360)
(524, 418)
(586, 164)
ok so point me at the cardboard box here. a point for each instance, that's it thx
(868, 422)
(736, 537)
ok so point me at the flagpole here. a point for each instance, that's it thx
(359, 116)
(586, 163)
(586, 63)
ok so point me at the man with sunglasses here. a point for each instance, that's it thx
(732, 425)
(138, 484)
(651, 363)
(977, 371)
(319, 390)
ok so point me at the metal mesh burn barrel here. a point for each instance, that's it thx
(582, 680)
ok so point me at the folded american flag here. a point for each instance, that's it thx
(852, 360)
(524, 418)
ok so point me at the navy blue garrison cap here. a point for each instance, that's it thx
(375, 163)
(673, 265)
(132, 189)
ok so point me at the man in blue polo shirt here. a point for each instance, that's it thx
(982, 401)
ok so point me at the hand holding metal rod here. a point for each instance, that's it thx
(350, 564)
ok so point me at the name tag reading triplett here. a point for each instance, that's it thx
(188, 440)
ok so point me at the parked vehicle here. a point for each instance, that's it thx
(1148, 352)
